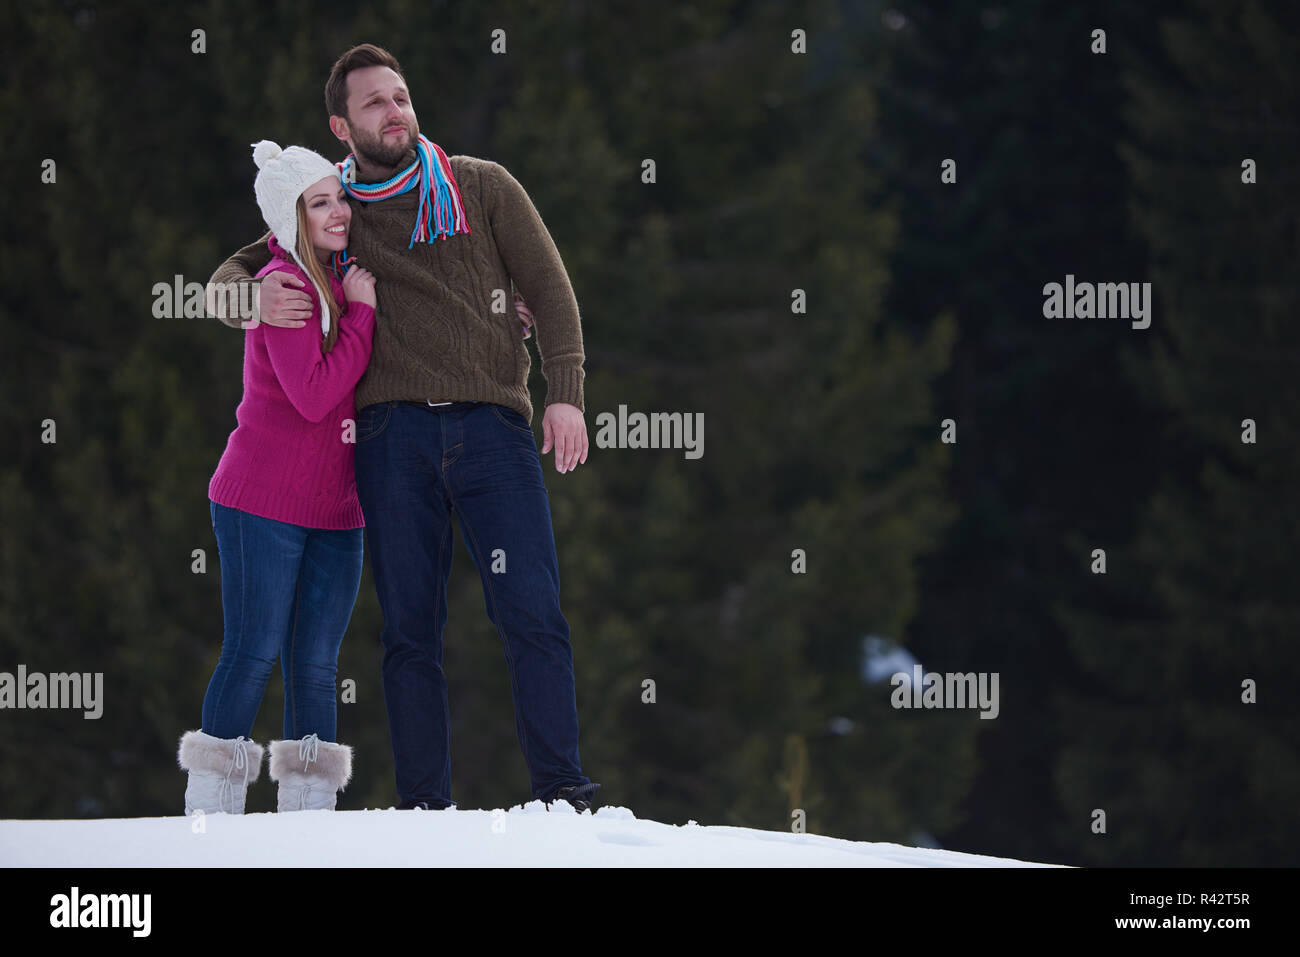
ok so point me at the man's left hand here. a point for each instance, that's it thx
(564, 427)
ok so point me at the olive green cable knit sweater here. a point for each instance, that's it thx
(437, 338)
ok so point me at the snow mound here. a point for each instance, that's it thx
(523, 836)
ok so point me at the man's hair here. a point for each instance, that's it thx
(359, 57)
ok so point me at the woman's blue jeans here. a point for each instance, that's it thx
(287, 591)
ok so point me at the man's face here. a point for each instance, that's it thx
(381, 123)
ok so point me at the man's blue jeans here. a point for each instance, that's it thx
(286, 591)
(415, 465)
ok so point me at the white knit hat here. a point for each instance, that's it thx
(282, 176)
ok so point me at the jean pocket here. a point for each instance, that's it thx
(372, 420)
(513, 420)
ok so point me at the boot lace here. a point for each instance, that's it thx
(239, 760)
(308, 750)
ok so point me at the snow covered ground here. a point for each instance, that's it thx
(523, 836)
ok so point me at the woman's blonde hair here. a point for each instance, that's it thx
(317, 274)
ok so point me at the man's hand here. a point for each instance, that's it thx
(281, 303)
(564, 426)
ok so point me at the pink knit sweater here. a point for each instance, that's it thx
(287, 459)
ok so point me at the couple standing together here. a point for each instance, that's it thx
(436, 388)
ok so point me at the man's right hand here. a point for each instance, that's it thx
(283, 301)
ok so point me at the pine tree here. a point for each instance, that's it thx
(1053, 442)
(818, 424)
(820, 430)
(1163, 738)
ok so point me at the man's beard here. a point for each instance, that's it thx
(373, 149)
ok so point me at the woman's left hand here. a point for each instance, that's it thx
(525, 314)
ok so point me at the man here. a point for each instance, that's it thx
(444, 421)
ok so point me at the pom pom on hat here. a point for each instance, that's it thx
(264, 151)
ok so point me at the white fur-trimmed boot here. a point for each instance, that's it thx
(221, 769)
(310, 773)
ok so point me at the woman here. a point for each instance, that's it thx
(285, 511)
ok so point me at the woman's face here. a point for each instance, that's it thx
(328, 216)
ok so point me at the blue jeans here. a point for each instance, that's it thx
(286, 590)
(415, 465)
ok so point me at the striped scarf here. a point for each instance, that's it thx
(440, 213)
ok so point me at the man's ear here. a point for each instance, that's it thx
(339, 127)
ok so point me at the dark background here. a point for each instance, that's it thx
(775, 171)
